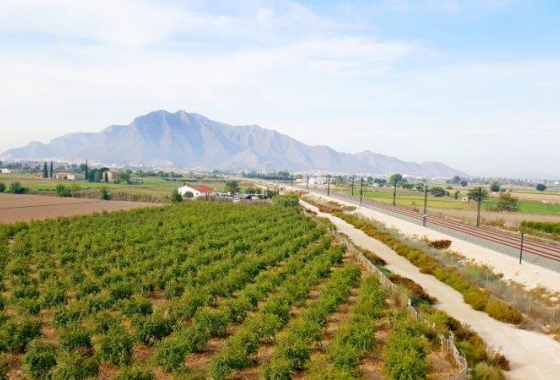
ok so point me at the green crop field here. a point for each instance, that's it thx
(154, 189)
(416, 199)
(195, 290)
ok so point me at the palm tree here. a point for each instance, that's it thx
(232, 187)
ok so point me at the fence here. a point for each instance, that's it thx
(448, 344)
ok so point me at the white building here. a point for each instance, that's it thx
(197, 191)
(318, 180)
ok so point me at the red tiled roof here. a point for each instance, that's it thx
(204, 189)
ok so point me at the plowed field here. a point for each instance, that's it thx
(14, 208)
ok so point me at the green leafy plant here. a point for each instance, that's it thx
(39, 360)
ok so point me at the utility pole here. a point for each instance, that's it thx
(328, 186)
(479, 201)
(361, 190)
(395, 192)
(521, 248)
(352, 186)
(425, 206)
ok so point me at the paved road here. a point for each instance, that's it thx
(532, 355)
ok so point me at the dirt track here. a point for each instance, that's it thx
(14, 208)
(532, 355)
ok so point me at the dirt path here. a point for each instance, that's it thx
(532, 355)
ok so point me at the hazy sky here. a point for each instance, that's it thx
(471, 83)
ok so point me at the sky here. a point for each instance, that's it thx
(474, 84)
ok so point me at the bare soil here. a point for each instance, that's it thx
(18, 208)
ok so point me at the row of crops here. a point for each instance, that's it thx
(187, 291)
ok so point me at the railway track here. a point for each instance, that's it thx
(549, 251)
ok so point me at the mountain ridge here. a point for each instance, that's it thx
(183, 139)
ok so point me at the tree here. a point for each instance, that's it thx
(232, 187)
(478, 194)
(86, 171)
(380, 181)
(495, 186)
(464, 182)
(45, 170)
(395, 178)
(456, 180)
(176, 197)
(437, 191)
(2, 187)
(51, 172)
(123, 177)
(541, 187)
(508, 202)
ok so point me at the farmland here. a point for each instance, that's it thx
(196, 290)
(147, 189)
(17, 208)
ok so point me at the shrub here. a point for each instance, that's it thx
(483, 371)
(215, 321)
(55, 296)
(220, 367)
(72, 365)
(135, 373)
(105, 194)
(440, 244)
(114, 347)
(75, 338)
(62, 191)
(17, 188)
(417, 292)
(287, 200)
(276, 370)
(20, 332)
(2, 187)
(175, 197)
(121, 290)
(477, 298)
(140, 306)
(153, 329)
(39, 360)
(405, 351)
(503, 312)
(4, 366)
(171, 351)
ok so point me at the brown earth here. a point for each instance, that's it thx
(16, 208)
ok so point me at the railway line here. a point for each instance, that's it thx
(548, 251)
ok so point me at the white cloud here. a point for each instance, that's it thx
(273, 63)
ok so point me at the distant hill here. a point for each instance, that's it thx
(190, 140)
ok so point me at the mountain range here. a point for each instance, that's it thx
(189, 140)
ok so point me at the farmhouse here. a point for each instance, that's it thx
(6, 171)
(68, 176)
(317, 180)
(197, 191)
